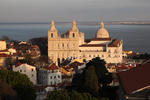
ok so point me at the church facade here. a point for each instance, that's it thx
(72, 44)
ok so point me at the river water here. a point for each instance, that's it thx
(135, 37)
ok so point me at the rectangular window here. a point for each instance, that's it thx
(51, 77)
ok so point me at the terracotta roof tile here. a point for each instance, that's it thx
(114, 43)
(52, 67)
(67, 33)
(18, 64)
(92, 45)
(74, 64)
(4, 55)
(135, 78)
(2, 68)
(101, 39)
(35, 46)
(3, 50)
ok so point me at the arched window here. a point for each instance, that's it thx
(63, 45)
(115, 51)
(68, 45)
(51, 35)
(115, 56)
(73, 35)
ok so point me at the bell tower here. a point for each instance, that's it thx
(52, 32)
(52, 40)
(74, 32)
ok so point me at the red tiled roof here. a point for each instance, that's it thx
(67, 33)
(3, 50)
(35, 46)
(52, 67)
(4, 55)
(2, 40)
(2, 68)
(101, 39)
(135, 78)
(92, 45)
(66, 67)
(18, 64)
(123, 67)
(74, 64)
(114, 43)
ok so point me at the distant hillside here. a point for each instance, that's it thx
(117, 23)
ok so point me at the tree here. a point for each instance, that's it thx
(58, 95)
(20, 83)
(104, 77)
(76, 96)
(69, 95)
(91, 81)
(95, 79)
(6, 91)
(78, 82)
(99, 65)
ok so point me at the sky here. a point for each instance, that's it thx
(68, 10)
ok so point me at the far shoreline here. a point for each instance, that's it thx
(87, 22)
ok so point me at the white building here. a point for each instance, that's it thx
(72, 44)
(49, 75)
(2, 45)
(3, 59)
(28, 70)
(12, 51)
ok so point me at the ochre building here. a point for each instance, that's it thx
(72, 45)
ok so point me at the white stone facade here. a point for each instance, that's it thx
(72, 44)
(12, 51)
(28, 70)
(49, 76)
(2, 45)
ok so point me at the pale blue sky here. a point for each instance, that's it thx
(67, 10)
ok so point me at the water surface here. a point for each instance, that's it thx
(135, 37)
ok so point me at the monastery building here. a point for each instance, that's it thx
(72, 45)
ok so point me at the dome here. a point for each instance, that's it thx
(102, 32)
